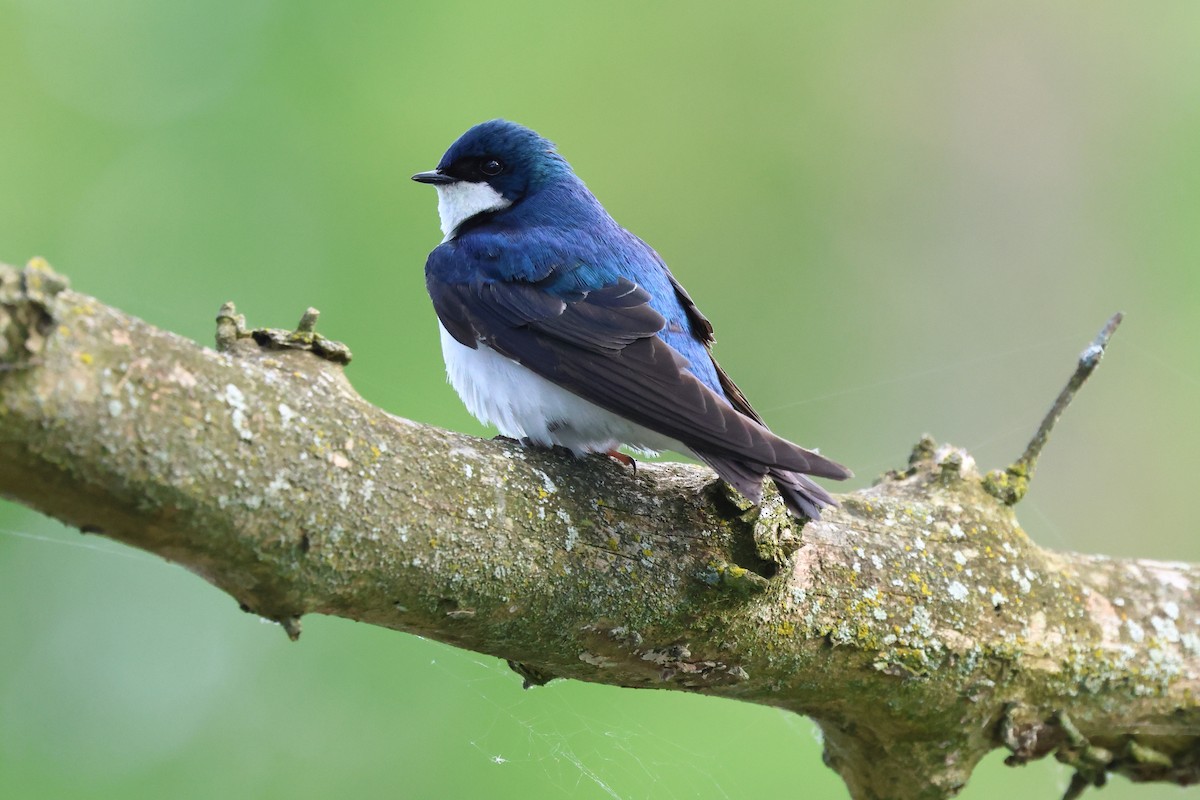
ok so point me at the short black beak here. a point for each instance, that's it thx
(434, 177)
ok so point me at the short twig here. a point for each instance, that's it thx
(1079, 785)
(1011, 484)
(1088, 360)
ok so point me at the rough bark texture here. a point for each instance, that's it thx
(917, 623)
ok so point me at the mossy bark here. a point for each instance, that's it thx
(917, 623)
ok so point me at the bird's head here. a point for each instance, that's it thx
(492, 166)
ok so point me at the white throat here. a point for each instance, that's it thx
(461, 200)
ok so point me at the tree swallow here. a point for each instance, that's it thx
(561, 327)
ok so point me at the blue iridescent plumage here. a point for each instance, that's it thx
(562, 327)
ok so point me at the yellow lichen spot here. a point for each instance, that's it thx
(785, 628)
(375, 452)
(86, 358)
(433, 542)
(647, 552)
(613, 544)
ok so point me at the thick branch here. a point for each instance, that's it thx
(917, 623)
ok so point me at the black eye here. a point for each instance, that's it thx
(490, 167)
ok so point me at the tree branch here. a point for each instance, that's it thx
(917, 623)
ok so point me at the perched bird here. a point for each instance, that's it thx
(561, 327)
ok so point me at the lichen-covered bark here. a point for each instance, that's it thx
(917, 623)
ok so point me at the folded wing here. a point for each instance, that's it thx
(603, 346)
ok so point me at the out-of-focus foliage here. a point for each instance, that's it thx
(901, 217)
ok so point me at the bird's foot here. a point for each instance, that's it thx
(622, 458)
(500, 437)
(526, 442)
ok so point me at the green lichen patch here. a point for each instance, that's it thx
(776, 536)
(1008, 486)
(28, 309)
(732, 579)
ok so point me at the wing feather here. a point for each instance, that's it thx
(603, 346)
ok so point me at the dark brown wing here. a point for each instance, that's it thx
(603, 346)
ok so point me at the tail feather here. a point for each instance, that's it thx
(801, 495)
(747, 478)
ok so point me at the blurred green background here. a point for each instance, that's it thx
(902, 218)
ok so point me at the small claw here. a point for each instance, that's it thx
(624, 459)
(500, 437)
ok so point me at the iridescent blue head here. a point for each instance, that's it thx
(491, 167)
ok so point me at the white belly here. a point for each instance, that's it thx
(521, 404)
